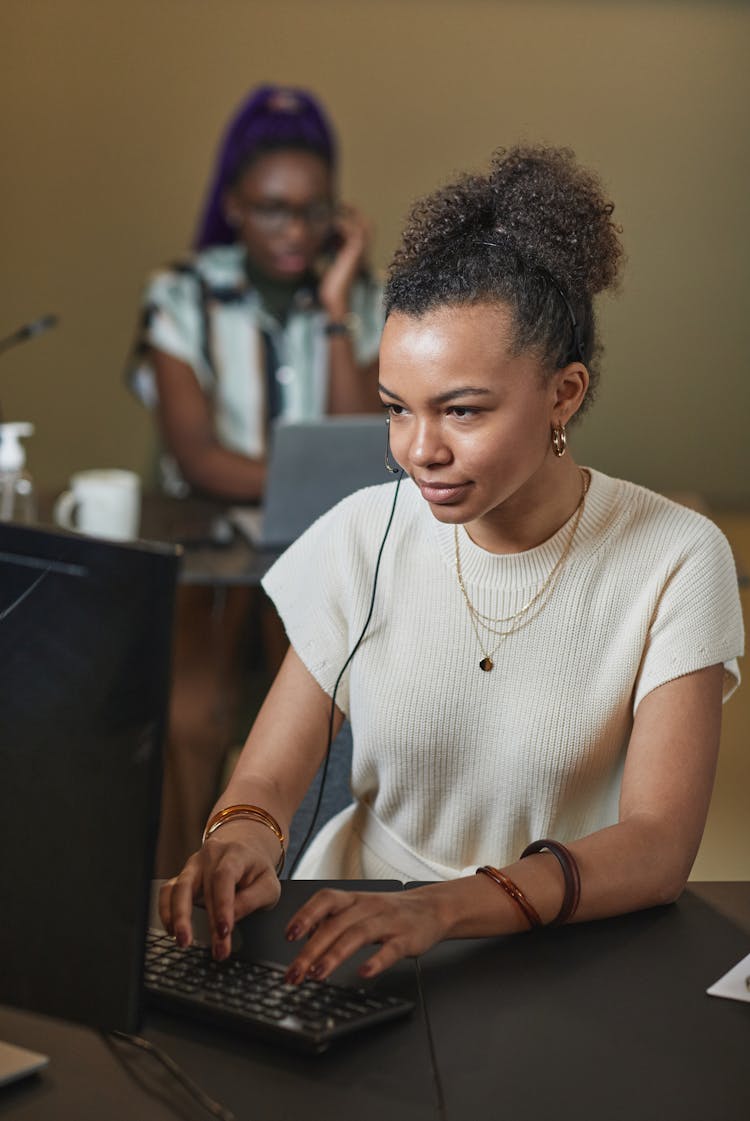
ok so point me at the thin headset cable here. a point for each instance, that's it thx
(355, 648)
(577, 336)
(216, 1109)
(577, 348)
(210, 1105)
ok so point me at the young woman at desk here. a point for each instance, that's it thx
(538, 694)
(274, 315)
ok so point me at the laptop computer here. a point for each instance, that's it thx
(19, 1062)
(312, 465)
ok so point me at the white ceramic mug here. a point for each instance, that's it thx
(102, 503)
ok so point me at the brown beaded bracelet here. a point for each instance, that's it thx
(513, 890)
(567, 862)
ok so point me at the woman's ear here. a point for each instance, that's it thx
(571, 386)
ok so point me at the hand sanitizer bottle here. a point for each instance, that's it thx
(17, 498)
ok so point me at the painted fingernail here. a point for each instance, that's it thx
(315, 970)
(293, 932)
(182, 938)
(222, 929)
(293, 975)
(366, 969)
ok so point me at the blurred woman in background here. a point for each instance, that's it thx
(274, 315)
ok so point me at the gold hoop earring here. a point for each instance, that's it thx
(559, 440)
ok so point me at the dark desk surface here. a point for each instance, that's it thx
(214, 552)
(608, 1021)
(602, 1021)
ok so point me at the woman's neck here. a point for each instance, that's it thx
(277, 295)
(533, 514)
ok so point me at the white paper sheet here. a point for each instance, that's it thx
(735, 984)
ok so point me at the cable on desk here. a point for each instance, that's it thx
(214, 1108)
(20, 598)
(431, 1044)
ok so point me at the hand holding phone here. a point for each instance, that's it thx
(348, 244)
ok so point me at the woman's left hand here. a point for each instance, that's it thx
(338, 923)
(355, 232)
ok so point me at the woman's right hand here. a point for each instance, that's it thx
(233, 874)
(334, 289)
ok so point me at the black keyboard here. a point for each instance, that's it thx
(254, 998)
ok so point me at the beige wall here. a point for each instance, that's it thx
(112, 110)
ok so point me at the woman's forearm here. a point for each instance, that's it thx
(627, 867)
(286, 745)
(222, 473)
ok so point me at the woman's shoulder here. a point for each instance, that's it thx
(648, 519)
(652, 505)
(341, 547)
(365, 512)
(218, 268)
(352, 530)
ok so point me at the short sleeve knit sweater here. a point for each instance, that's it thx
(453, 767)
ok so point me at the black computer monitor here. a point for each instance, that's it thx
(85, 637)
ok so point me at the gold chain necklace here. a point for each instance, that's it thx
(477, 619)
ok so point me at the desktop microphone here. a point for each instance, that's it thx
(28, 331)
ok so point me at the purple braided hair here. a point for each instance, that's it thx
(272, 117)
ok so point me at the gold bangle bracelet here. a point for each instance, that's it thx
(255, 813)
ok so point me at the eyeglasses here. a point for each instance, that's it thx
(276, 216)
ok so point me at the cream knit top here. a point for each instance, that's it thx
(453, 767)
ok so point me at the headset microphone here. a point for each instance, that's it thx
(392, 467)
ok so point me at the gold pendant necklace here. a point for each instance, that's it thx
(518, 619)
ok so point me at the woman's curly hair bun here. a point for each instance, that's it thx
(557, 213)
(535, 232)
